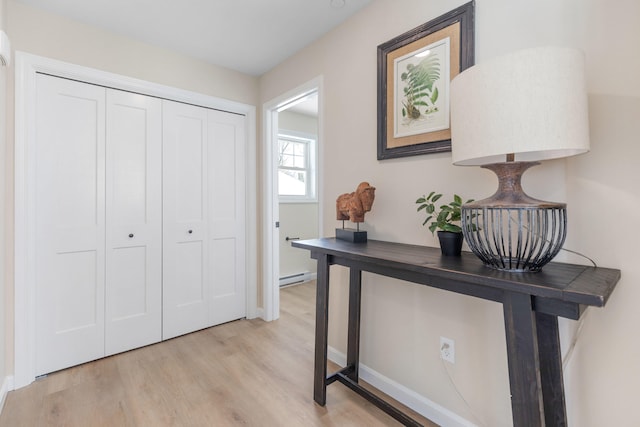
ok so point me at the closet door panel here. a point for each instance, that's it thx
(139, 215)
(69, 178)
(134, 221)
(186, 247)
(127, 291)
(226, 216)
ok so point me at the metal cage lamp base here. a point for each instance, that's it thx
(511, 231)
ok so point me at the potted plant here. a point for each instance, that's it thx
(446, 220)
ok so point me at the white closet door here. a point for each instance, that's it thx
(70, 223)
(226, 216)
(186, 293)
(134, 221)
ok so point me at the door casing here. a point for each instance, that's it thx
(270, 248)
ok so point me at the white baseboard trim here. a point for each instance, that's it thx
(259, 313)
(425, 407)
(7, 386)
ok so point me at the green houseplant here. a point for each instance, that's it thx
(444, 218)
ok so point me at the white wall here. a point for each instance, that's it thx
(292, 121)
(601, 189)
(297, 219)
(41, 33)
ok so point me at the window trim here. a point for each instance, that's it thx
(311, 169)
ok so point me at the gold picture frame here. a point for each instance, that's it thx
(413, 93)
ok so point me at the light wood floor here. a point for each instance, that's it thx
(247, 372)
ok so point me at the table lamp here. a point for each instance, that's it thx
(507, 114)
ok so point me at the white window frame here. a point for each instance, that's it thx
(311, 195)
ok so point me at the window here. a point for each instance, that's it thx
(296, 168)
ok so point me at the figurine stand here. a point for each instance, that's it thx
(351, 235)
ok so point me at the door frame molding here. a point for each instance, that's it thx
(270, 248)
(27, 66)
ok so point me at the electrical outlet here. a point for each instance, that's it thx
(448, 350)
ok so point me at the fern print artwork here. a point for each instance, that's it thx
(420, 95)
(422, 91)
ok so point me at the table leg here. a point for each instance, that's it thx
(524, 367)
(353, 343)
(551, 370)
(322, 329)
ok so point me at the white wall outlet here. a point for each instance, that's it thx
(448, 350)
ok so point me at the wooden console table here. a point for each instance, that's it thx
(531, 302)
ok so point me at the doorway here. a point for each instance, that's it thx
(293, 143)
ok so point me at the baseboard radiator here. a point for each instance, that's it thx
(305, 276)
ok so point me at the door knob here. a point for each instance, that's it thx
(131, 235)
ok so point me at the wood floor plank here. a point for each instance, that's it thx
(243, 373)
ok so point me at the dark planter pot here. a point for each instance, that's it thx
(450, 243)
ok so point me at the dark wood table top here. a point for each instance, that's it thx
(570, 283)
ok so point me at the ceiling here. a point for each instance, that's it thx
(250, 36)
(308, 105)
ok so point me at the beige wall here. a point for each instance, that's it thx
(602, 378)
(3, 159)
(41, 33)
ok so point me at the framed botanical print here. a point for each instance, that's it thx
(414, 72)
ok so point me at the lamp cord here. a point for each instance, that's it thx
(574, 340)
(565, 362)
(563, 248)
(567, 357)
(455, 387)
(580, 254)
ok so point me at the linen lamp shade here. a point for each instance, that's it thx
(532, 103)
